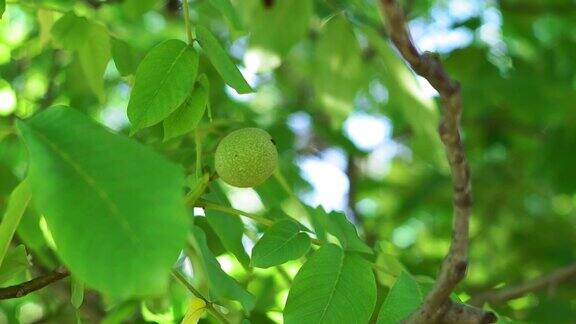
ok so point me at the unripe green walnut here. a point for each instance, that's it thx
(246, 157)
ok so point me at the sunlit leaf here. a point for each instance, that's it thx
(221, 61)
(14, 263)
(196, 308)
(163, 81)
(94, 54)
(128, 200)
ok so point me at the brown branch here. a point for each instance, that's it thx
(33, 285)
(428, 65)
(464, 314)
(494, 296)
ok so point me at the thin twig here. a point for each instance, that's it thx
(209, 305)
(229, 210)
(429, 66)
(188, 25)
(495, 296)
(33, 285)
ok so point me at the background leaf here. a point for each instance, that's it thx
(163, 80)
(332, 287)
(221, 61)
(338, 225)
(228, 10)
(15, 261)
(228, 228)
(125, 56)
(94, 54)
(221, 283)
(404, 298)
(128, 199)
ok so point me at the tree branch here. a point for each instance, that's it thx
(494, 296)
(33, 285)
(428, 65)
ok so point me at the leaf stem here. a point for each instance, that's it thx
(186, 10)
(198, 145)
(209, 305)
(17, 204)
(229, 210)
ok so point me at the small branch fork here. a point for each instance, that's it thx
(437, 306)
(495, 296)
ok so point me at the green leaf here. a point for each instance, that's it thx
(229, 229)
(94, 54)
(332, 287)
(278, 28)
(77, 293)
(2, 7)
(338, 73)
(228, 11)
(45, 24)
(338, 225)
(281, 243)
(189, 114)
(419, 111)
(115, 208)
(224, 286)
(163, 81)
(70, 31)
(15, 261)
(125, 57)
(403, 299)
(17, 204)
(221, 61)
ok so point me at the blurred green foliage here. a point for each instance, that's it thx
(321, 61)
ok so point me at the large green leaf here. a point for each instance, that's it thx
(189, 114)
(2, 7)
(332, 287)
(115, 208)
(163, 81)
(282, 242)
(224, 286)
(94, 54)
(404, 298)
(221, 61)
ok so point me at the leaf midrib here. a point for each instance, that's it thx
(163, 82)
(333, 291)
(280, 246)
(109, 203)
